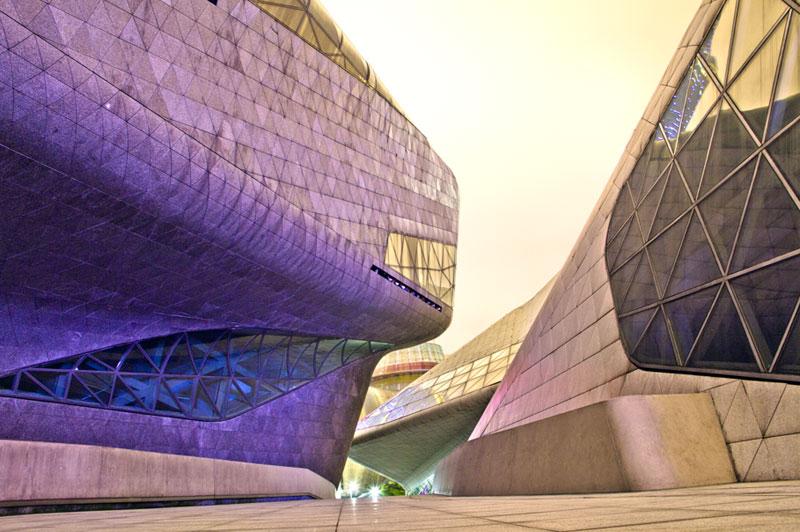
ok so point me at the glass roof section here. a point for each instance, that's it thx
(430, 264)
(480, 364)
(411, 359)
(201, 375)
(703, 245)
(481, 373)
(310, 21)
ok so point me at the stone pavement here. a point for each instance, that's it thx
(751, 506)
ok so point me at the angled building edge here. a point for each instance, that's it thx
(91, 476)
(699, 294)
(404, 438)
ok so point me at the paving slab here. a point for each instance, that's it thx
(761, 506)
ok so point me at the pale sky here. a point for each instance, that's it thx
(530, 103)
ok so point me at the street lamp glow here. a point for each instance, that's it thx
(374, 492)
(353, 488)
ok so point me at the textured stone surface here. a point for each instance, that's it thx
(629, 443)
(170, 166)
(89, 472)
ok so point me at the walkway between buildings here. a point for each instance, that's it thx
(753, 506)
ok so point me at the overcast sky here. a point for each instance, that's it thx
(531, 103)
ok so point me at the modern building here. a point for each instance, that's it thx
(667, 352)
(394, 372)
(405, 437)
(216, 220)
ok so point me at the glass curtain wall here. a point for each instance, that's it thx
(202, 375)
(309, 20)
(431, 265)
(703, 245)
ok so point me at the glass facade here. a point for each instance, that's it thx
(309, 20)
(437, 389)
(431, 265)
(417, 359)
(205, 375)
(703, 245)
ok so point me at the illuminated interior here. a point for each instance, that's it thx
(429, 264)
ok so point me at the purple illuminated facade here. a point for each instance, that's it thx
(173, 167)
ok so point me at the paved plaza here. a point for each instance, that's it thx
(753, 506)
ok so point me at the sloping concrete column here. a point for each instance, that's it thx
(40, 472)
(631, 443)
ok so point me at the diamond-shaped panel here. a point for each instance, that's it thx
(230, 373)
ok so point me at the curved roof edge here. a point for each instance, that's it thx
(309, 20)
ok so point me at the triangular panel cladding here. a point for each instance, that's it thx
(716, 47)
(722, 210)
(631, 244)
(647, 209)
(692, 157)
(655, 346)
(768, 298)
(695, 264)
(771, 225)
(754, 19)
(687, 316)
(54, 382)
(723, 342)
(630, 191)
(615, 247)
(673, 116)
(786, 106)
(633, 326)
(642, 289)
(752, 89)
(785, 151)
(715, 195)
(428, 263)
(664, 250)
(621, 279)
(202, 375)
(730, 145)
(649, 167)
(674, 202)
(701, 97)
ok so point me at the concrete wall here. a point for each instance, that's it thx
(408, 449)
(35, 472)
(625, 444)
(573, 356)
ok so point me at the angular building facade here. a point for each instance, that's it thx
(679, 302)
(216, 222)
(405, 437)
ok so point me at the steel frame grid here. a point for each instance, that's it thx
(722, 282)
(220, 401)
